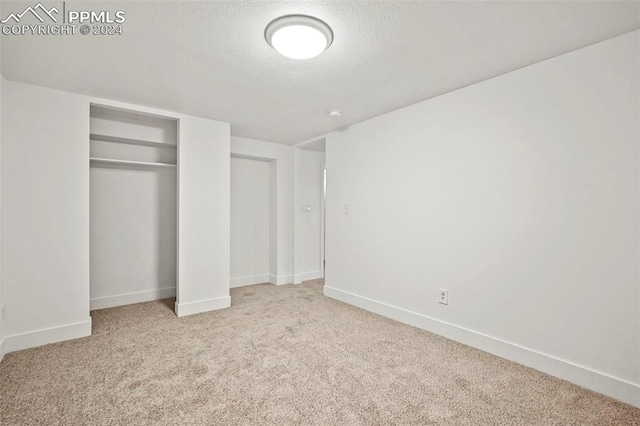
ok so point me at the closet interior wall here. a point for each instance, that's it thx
(252, 228)
(133, 207)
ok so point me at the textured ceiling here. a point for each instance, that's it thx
(210, 59)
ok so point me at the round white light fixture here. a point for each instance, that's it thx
(335, 114)
(298, 36)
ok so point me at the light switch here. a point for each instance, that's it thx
(306, 208)
(346, 208)
(443, 296)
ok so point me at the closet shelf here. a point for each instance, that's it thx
(118, 139)
(99, 161)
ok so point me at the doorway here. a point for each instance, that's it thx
(253, 221)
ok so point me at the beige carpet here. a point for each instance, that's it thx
(280, 356)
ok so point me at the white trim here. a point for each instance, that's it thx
(111, 104)
(130, 298)
(280, 279)
(321, 136)
(2, 350)
(191, 308)
(306, 276)
(255, 279)
(46, 336)
(96, 162)
(582, 376)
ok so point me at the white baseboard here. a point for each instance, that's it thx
(2, 352)
(306, 276)
(17, 342)
(191, 308)
(251, 280)
(614, 387)
(130, 298)
(280, 279)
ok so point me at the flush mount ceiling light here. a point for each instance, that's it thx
(335, 114)
(298, 36)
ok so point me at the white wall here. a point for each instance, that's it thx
(273, 221)
(298, 172)
(308, 224)
(1, 282)
(132, 235)
(250, 236)
(520, 196)
(45, 215)
(203, 215)
(281, 158)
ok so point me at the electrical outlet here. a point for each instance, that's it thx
(443, 296)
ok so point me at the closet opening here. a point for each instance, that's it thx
(133, 207)
(254, 242)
